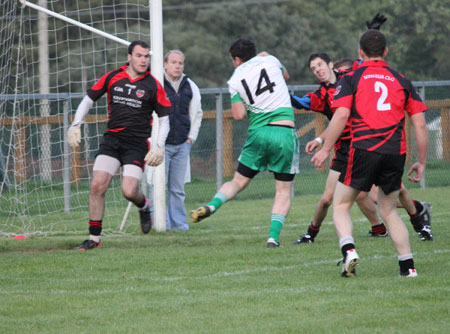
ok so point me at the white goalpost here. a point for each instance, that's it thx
(39, 185)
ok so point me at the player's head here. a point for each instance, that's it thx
(344, 64)
(138, 58)
(373, 44)
(242, 48)
(174, 64)
(322, 67)
(133, 44)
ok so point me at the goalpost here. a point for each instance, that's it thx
(46, 70)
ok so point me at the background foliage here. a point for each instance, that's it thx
(417, 33)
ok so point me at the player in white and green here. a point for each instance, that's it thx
(258, 89)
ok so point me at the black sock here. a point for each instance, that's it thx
(405, 265)
(95, 227)
(313, 231)
(347, 247)
(419, 206)
(379, 229)
(142, 204)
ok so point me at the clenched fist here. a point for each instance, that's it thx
(155, 156)
(74, 136)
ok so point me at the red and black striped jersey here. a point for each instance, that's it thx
(131, 101)
(377, 97)
(321, 100)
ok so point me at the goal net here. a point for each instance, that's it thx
(46, 66)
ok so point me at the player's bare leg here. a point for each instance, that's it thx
(226, 192)
(132, 192)
(419, 213)
(321, 209)
(99, 185)
(280, 210)
(398, 231)
(406, 201)
(369, 209)
(344, 197)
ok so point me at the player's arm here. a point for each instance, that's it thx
(286, 75)
(238, 110)
(303, 102)
(195, 112)
(333, 132)
(74, 133)
(315, 143)
(421, 135)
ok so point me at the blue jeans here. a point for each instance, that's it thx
(176, 160)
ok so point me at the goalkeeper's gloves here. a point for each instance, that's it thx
(376, 22)
(74, 136)
(155, 156)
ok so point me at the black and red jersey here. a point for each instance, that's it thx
(378, 97)
(131, 101)
(321, 100)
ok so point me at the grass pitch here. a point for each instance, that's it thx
(219, 277)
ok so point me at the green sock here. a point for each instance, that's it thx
(276, 225)
(217, 201)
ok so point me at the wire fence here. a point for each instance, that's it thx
(32, 188)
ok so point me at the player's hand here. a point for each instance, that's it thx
(416, 172)
(376, 22)
(74, 136)
(319, 158)
(311, 146)
(155, 156)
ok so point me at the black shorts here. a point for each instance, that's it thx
(341, 156)
(128, 152)
(364, 168)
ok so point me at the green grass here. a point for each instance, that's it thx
(218, 277)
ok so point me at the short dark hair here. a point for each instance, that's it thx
(322, 55)
(347, 62)
(243, 48)
(134, 43)
(373, 43)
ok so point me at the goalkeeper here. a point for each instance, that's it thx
(133, 93)
(258, 89)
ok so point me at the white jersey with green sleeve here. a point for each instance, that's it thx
(260, 84)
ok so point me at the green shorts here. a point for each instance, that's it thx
(273, 148)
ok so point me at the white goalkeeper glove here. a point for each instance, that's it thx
(74, 136)
(155, 156)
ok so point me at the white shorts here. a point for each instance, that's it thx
(111, 165)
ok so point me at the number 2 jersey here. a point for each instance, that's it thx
(260, 85)
(131, 102)
(377, 97)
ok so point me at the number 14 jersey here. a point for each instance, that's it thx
(260, 85)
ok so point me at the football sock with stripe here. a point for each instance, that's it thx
(313, 230)
(95, 229)
(218, 200)
(379, 229)
(276, 225)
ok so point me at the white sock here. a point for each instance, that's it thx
(95, 238)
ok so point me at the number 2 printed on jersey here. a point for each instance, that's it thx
(381, 105)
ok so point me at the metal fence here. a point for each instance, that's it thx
(213, 157)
